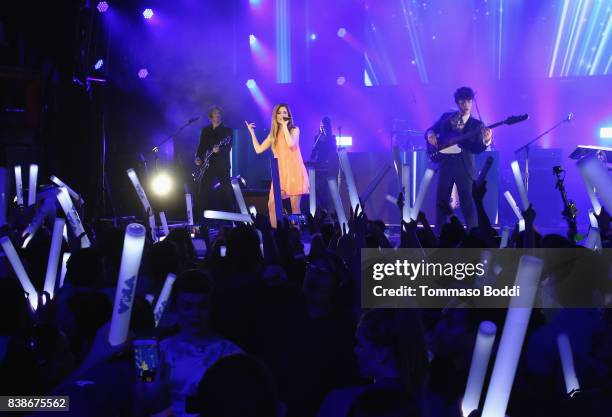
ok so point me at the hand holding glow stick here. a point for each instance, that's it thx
(345, 164)
(54, 253)
(162, 301)
(72, 217)
(422, 192)
(478, 368)
(33, 181)
(19, 185)
(520, 185)
(312, 197)
(20, 271)
(567, 363)
(75, 196)
(225, 215)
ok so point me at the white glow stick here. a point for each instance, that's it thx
(422, 192)
(406, 192)
(162, 301)
(521, 225)
(335, 195)
(72, 217)
(567, 363)
(504, 237)
(76, 196)
(513, 337)
(598, 177)
(593, 240)
(65, 233)
(345, 164)
(65, 258)
(312, 197)
(164, 222)
(253, 210)
(593, 219)
(19, 185)
(143, 197)
(239, 197)
(478, 368)
(54, 253)
(391, 199)
(20, 271)
(520, 185)
(133, 245)
(513, 205)
(3, 195)
(591, 193)
(225, 215)
(189, 203)
(33, 181)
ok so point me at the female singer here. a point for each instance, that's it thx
(284, 139)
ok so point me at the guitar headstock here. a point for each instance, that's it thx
(516, 119)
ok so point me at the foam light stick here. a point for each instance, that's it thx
(594, 172)
(312, 197)
(592, 196)
(162, 301)
(189, 203)
(513, 337)
(504, 237)
(513, 205)
(65, 258)
(65, 233)
(33, 181)
(143, 199)
(422, 192)
(164, 222)
(484, 171)
(20, 271)
(253, 210)
(391, 199)
(133, 245)
(332, 183)
(567, 363)
(54, 253)
(478, 368)
(226, 215)
(239, 197)
(75, 196)
(593, 240)
(593, 219)
(406, 192)
(73, 217)
(19, 185)
(278, 203)
(520, 185)
(3, 192)
(345, 164)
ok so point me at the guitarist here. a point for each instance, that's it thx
(457, 165)
(219, 168)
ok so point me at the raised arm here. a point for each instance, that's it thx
(259, 147)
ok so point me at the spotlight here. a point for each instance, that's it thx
(255, 2)
(341, 32)
(142, 73)
(161, 184)
(341, 80)
(102, 6)
(313, 36)
(344, 141)
(99, 64)
(605, 133)
(252, 40)
(251, 84)
(148, 13)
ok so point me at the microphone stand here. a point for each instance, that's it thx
(526, 147)
(155, 149)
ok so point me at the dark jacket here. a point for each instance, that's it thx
(211, 137)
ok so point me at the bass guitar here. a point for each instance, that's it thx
(199, 172)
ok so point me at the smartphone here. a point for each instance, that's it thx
(146, 358)
(222, 250)
(296, 219)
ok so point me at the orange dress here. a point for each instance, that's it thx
(291, 169)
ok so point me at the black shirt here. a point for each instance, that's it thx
(211, 137)
(325, 154)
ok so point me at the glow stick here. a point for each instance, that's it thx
(592, 196)
(65, 233)
(276, 189)
(422, 192)
(485, 170)
(225, 215)
(335, 195)
(76, 196)
(72, 217)
(567, 363)
(143, 198)
(19, 185)
(521, 225)
(133, 245)
(3, 192)
(520, 185)
(189, 203)
(513, 337)
(54, 252)
(20, 271)
(345, 164)
(312, 197)
(593, 240)
(593, 219)
(65, 258)
(164, 222)
(478, 368)
(33, 181)
(162, 301)
(406, 192)
(391, 199)
(513, 205)
(598, 177)
(253, 210)
(239, 197)
(504, 237)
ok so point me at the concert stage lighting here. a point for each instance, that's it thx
(341, 80)
(102, 6)
(148, 13)
(99, 64)
(605, 133)
(251, 84)
(313, 36)
(341, 32)
(344, 141)
(142, 73)
(252, 40)
(161, 184)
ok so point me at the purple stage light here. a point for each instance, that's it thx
(313, 36)
(252, 40)
(148, 13)
(341, 32)
(99, 64)
(605, 133)
(251, 84)
(102, 6)
(340, 80)
(143, 73)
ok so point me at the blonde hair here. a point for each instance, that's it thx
(274, 126)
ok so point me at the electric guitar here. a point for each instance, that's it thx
(201, 170)
(434, 152)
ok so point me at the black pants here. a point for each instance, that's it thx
(211, 199)
(451, 171)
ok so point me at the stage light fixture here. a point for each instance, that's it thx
(344, 141)
(143, 73)
(340, 80)
(251, 84)
(252, 40)
(161, 184)
(313, 36)
(102, 6)
(99, 64)
(148, 13)
(341, 32)
(605, 133)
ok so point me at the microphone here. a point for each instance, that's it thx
(195, 119)
(286, 119)
(569, 117)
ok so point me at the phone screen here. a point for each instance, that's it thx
(146, 358)
(296, 219)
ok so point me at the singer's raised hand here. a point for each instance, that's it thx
(250, 126)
